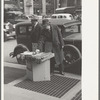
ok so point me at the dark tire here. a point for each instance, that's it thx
(71, 54)
(19, 60)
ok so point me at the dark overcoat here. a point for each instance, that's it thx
(35, 33)
(57, 43)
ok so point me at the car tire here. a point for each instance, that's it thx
(19, 60)
(71, 54)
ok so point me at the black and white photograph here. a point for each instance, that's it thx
(42, 49)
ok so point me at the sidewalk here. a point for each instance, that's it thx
(15, 93)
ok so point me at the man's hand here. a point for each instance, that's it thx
(37, 51)
(62, 47)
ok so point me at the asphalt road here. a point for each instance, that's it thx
(9, 46)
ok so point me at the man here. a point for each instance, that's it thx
(9, 26)
(52, 41)
(35, 33)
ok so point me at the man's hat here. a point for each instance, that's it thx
(45, 22)
(34, 18)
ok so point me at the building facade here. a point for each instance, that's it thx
(48, 7)
(68, 3)
(51, 5)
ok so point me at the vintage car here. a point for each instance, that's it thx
(62, 16)
(73, 46)
(71, 32)
(7, 33)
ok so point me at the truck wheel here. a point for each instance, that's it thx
(71, 54)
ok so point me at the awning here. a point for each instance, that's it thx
(70, 10)
(10, 7)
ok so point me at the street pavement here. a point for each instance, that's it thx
(14, 93)
(8, 48)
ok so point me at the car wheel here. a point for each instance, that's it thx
(71, 54)
(19, 60)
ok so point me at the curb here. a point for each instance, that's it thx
(6, 64)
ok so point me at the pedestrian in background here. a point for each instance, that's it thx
(35, 33)
(9, 27)
(52, 41)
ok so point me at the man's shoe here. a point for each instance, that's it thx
(62, 73)
(51, 72)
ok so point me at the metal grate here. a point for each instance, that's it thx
(57, 87)
(78, 96)
(11, 74)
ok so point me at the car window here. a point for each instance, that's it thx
(71, 16)
(60, 16)
(22, 29)
(73, 28)
(30, 16)
(24, 17)
(54, 17)
(65, 17)
(70, 30)
(30, 28)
